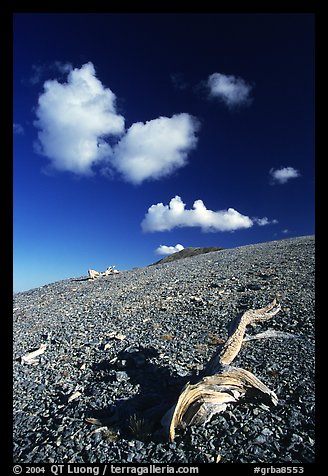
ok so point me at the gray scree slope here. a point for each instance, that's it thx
(117, 351)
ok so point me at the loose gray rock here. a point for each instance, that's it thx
(127, 344)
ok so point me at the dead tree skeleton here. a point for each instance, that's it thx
(224, 383)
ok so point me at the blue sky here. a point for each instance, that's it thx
(134, 133)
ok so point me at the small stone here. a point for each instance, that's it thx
(74, 396)
(254, 286)
(215, 285)
(121, 364)
(139, 444)
(120, 376)
(120, 337)
(260, 439)
(196, 299)
(266, 432)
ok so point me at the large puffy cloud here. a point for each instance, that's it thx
(284, 174)
(166, 217)
(168, 250)
(155, 149)
(231, 90)
(74, 118)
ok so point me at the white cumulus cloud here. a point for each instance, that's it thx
(231, 90)
(265, 221)
(74, 118)
(168, 250)
(166, 217)
(156, 148)
(77, 117)
(284, 174)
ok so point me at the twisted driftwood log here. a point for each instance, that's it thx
(224, 384)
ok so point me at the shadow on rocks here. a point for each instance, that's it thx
(137, 417)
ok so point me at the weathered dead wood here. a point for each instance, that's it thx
(93, 274)
(224, 384)
(228, 352)
(31, 357)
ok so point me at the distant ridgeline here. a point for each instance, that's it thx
(186, 253)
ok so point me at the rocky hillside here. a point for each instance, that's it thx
(114, 354)
(186, 253)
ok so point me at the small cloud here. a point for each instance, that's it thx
(63, 68)
(168, 250)
(73, 119)
(35, 77)
(166, 217)
(18, 129)
(283, 174)
(40, 71)
(178, 81)
(156, 148)
(231, 90)
(265, 221)
(285, 231)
